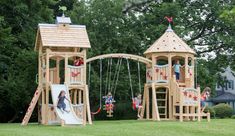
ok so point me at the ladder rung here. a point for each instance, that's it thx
(162, 107)
(162, 113)
(161, 99)
(161, 92)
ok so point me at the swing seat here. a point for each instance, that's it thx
(109, 107)
(109, 116)
(133, 105)
(110, 111)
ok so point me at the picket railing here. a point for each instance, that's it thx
(75, 74)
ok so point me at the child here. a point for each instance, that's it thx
(138, 104)
(109, 101)
(78, 61)
(60, 102)
(109, 98)
(204, 96)
(177, 67)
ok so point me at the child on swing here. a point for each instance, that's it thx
(60, 102)
(109, 98)
(138, 104)
(109, 101)
(204, 96)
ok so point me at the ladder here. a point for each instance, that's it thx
(162, 99)
(31, 106)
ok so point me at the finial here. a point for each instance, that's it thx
(170, 20)
(63, 8)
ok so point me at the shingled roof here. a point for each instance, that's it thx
(225, 97)
(59, 35)
(169, 42)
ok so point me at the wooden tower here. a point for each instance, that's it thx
(57, 46)
(168, 98)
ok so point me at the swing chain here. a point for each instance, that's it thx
(101, 69)
(129, 74)
(139, 77)
(117, 77)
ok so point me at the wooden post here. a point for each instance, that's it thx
(187, 112)
(46, 108)
(170, 91)
(154, 78)
(57, 70)
(75, 96)
(155, 113)
(79, 96)
(181, 108)
(147, 103)
(208, 117)
(186, 67)
(144, 102)
(84, 69)
(66, 72)
(88, 105)
(84, 106)
(199, 105)
(193, 71)
(40, 84)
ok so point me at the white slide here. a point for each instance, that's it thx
(69, 118)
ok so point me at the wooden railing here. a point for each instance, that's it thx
(78, 109)
(176, 91)
(190, 71)
(162, 73)
(149, 75)
(190, 96)
(52, 116)
(75, 74)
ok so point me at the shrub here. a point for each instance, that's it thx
(223, 110)
(233, 117)
(210, 110)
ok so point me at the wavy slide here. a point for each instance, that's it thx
(69, 118)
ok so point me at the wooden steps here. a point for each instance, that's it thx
(162, 100)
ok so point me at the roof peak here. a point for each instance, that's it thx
(169, 29)
(169, 42)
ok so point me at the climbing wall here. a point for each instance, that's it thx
(31, 106)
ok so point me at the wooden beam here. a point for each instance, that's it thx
(88, 105)
(147, 103)
(199, 104)
(155, 113)
(84, 107)
(144, 102)
(121, 55)
(47, 85)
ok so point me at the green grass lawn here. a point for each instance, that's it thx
(222, 127)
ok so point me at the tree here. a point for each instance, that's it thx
(18, 25)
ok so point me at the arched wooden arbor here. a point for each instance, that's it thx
(146, 61)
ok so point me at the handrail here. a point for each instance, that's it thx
(70, 66)
(161, 66)
(122, 55)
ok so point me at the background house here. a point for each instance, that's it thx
(225, 89)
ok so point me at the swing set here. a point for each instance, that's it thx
(111, 82)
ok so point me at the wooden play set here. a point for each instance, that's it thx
(163, 98)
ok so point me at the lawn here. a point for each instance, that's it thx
(222, 127)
